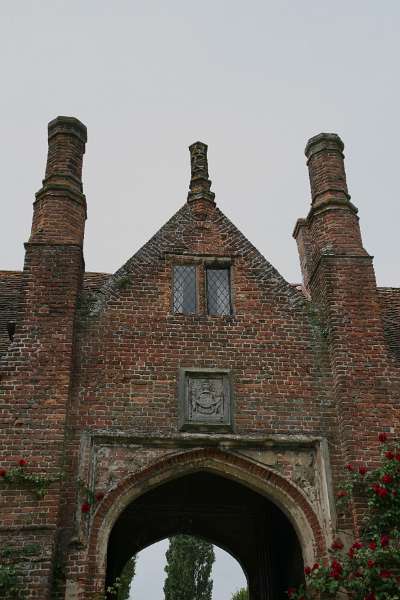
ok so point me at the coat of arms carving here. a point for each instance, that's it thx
(205, 399)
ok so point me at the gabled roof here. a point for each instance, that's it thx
(187, 234)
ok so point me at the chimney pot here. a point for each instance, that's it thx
(67, 138)
(325, 162)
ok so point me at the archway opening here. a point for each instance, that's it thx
(230, 515)
(218, 567)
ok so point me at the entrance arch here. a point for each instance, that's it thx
(255, 514)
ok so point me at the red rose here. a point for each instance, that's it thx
(385, 541)
(350, 467)
(351, 553)
(382, 437)
(22, 462)
(85, 508)
(315, 566)
(370, 563)
(379, 490)
(291, 591)
(372, 545)
(99, 496)
(337, 545)
(358, 574)
(341, 494)
(334, 574)
(387, 478)
(336, 569)
(362, 470)
(389, 455)
(397, 456)
(385, 574)
(307, 570)
(3, 472)
(357, 545)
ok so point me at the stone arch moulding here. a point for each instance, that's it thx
(267, 482)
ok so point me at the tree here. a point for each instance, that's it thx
(242, 594)
(370, 568)
(125, 579)
(188, 568)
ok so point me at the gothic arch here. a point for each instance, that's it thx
(260, 479)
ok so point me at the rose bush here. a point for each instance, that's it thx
(370, 568)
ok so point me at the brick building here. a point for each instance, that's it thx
(194, 390)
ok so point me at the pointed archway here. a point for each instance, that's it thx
(247, 525)
(254, 513)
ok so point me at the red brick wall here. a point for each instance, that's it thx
(106, 358)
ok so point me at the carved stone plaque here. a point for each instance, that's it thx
(205, 399)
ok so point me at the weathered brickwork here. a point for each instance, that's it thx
(90, 376)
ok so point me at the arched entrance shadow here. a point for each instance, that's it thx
(248, 526)
(259, 517)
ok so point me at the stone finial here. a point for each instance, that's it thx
(200, 183)
(325, 162)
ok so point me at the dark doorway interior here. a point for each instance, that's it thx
(245, 524)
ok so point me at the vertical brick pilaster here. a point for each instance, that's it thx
(339, 275)
(36, 384)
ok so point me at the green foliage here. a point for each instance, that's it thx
(119, 590)
(127, 575)
(12, 552)
(9, 585)
(242, 594)
(38, 484)
(10, 572)
(188, 568)
(370, 569)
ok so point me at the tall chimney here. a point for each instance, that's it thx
(325, 160)
(331, 227)
(60, 206)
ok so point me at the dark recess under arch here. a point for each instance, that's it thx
(244, 523)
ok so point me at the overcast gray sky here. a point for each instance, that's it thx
(252, 79)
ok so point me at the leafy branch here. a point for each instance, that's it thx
(35, 482)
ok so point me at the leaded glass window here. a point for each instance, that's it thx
(218, 291)
(184, 289)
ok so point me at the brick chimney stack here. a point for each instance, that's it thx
(331, 227)
(45, 331)
(60, 206)
(200, 184)
(339, 276)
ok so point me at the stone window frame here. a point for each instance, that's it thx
(184, 424)
(202, 263)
